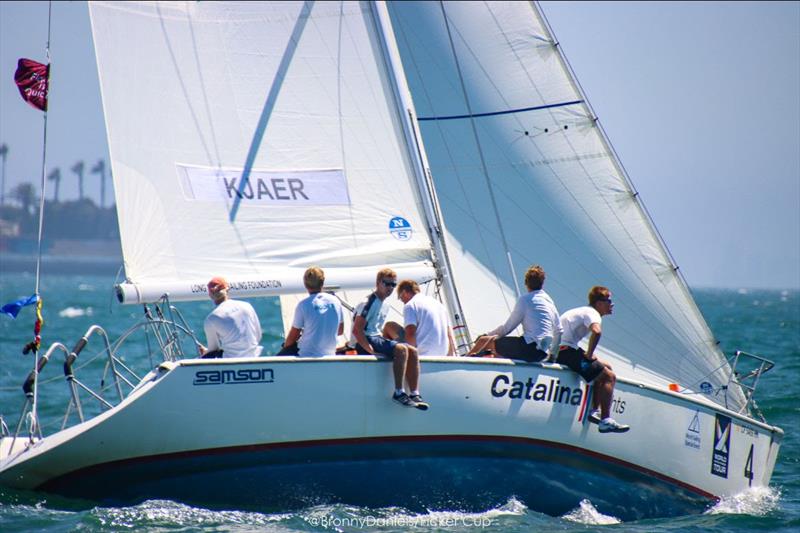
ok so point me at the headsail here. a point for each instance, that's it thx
(517, 157)
(296, 97)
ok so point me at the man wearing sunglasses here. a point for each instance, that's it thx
(371, 332)
(577, 323)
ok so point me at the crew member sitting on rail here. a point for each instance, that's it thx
(577, 324)
(232, 328)
(318, 317)
(372, 335)
(541, 327)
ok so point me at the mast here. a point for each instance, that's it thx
(422, 171)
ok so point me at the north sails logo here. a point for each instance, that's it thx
(233, 377)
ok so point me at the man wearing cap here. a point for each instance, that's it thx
(232, 328)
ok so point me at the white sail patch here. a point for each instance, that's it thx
(264, 187)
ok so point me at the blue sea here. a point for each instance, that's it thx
(756, 321)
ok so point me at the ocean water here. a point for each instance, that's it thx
(756, 321)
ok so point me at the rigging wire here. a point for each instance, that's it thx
(694, 334)
(44, 151)
(470, 209)
(37, 327)
(511, 198)
(699, 334)
(695, 322)
(480, 148)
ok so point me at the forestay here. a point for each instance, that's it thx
(295, 96)
(505, 126)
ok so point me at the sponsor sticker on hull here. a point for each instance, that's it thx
(692, 437)
(547, 390)
(233, 377)
(722, 444)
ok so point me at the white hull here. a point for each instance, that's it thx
(293, 423)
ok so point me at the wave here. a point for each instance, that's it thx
(337, 517)
(586, 513)
(756, 501)
(74, 312)
(169, 514)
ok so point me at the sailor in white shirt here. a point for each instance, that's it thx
(541, 327)
(578, 323)
(318, 317)
(232, 328)
(427, 326)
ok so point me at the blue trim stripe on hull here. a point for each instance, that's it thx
(468, 472)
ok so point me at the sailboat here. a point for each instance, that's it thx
(449, 141)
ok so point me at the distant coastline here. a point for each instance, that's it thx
(11, 262)
(78, 237)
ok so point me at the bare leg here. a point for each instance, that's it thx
(484, 342)
(604, 392)
(399, 365)
(412, 368)
(392, 331)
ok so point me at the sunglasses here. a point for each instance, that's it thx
(605, 300)
(392, 284)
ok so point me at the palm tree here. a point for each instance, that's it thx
(77, 168)
(3, 154)
(100, 168)
(25, 195)
(55, 175)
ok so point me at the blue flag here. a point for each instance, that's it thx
(12, 309)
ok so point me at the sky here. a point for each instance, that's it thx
(701, 101)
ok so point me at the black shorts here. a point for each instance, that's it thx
(517, 348)
(292, 349)
(575, 360)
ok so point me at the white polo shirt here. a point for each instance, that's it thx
(576, 323)
(430, 317)
(318, 316)
(233, 326)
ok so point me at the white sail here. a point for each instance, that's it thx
(297, 96)
(522, 168)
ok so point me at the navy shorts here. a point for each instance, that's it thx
(575, 360)
(517, 348)
(379, 344)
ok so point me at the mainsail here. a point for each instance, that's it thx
(252, 140)
(522, 169)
